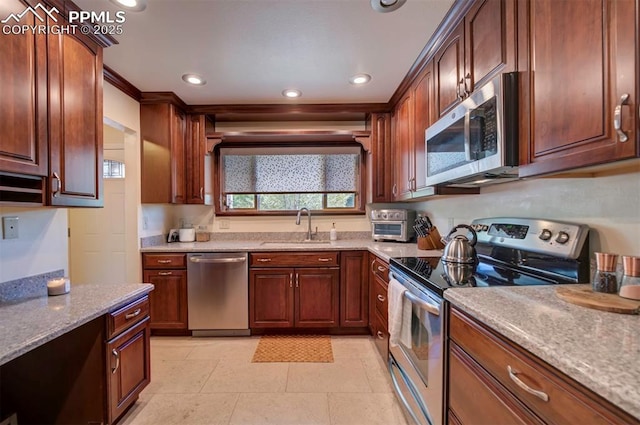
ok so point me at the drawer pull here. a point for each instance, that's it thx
(324, 260)
(134, 314)
(164, 261)
(263, 260)
(382, 269)
(165, 273)
(373, 263)
(117, 356)
(541, 395)
(380, 335)
(381, 298)
(617, 118)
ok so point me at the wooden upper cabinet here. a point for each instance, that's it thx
(481, 46)
(163, 128)
(196, 151)
(424, 116)
(582, 70)
(380, 159)
(23, 104)
(403, 146)
(75, 121)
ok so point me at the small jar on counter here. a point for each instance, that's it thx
(605, 278)
(630, 284)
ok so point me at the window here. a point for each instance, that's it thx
(112, 169)
(269, 179)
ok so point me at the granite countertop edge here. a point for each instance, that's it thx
(44, 318)
(613, 379)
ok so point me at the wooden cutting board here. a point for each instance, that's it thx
(585, 297)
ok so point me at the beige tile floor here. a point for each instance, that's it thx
(212, 381)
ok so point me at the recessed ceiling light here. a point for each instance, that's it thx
(385, 6)
(291, 93)
(131, 5)
(194, 79)
(360, 79)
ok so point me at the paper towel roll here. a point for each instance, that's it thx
(58, 286)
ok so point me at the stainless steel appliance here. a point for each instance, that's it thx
(511, 251)
(477, 142)
(218, 293)
(392, 225)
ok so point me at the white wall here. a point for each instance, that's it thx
(41, 246)
(608, 203)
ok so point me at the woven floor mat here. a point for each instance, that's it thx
(294, 348)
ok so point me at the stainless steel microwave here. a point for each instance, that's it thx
(476, 142)
(393, 225)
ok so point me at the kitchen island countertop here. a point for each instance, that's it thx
(598, 349)
(29, 323)
(384, 250)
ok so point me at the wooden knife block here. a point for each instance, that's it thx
(431, 241)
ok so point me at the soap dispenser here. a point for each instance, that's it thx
(333, 234)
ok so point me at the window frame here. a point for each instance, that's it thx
(220, 196)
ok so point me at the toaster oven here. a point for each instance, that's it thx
(392, 225)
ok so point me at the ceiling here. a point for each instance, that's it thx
(249, 51)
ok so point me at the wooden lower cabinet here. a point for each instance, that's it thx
(483, 390)
(354, 289)
(294, 297)
(378, 304)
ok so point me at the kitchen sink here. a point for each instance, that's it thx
(267, 243)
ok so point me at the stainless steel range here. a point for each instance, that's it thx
(511, 252)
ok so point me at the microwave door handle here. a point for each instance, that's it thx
(467, 135)
(431, 308)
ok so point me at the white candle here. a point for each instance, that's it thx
(58, 286)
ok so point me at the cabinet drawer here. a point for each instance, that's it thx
(164, 261)
(380, 335)
(294, 259)
(380, 269)
(127, 316)
(380, 298)
(567, 402)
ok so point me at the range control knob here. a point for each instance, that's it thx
(562, 238)
(545, 235)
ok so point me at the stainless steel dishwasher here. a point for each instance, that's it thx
(218, 293)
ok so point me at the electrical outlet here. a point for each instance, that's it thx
(224, 223)
(10, 227)
(451, 223)
(145, 222)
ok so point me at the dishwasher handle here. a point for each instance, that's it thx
(196, 259)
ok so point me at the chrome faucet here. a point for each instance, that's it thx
(309, 234)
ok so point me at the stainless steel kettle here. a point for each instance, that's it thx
(458, 248)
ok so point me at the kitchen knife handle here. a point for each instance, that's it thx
(513, 375)
(617, 118)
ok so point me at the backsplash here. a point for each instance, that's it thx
(27, 287)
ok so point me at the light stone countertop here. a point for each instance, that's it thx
(600, 350)
(384, 250)
(29, 323)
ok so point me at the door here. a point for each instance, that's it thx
(424, 116)
(168, 300)
(354, 289)
(403, 147)
(448, 69)
(271, 298)
(316, 297)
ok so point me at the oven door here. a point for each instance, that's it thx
(419, 354)
(389, 230)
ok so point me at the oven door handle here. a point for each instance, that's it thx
(431, 308)
(396, 386)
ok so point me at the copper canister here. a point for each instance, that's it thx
(606, 262)
(631, 266)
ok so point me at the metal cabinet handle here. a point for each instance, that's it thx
(164, 261)
(467, 77)
(58, 186)
(117, 356)
(380, 335)
(165, 273)
(201, 192)
(291, 280)
(394, 190)
(297, 280)
(373, 264)
(617, 118)
(324, 260)
(381, 298)
(541, 395)
(382, 269)
(263, 260)
(460, 90)
(134, 314)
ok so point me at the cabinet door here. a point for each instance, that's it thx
(403, 148)
(448, 71)
(195, 159)
(354, 289)
(424, 116)
(23, 104)
(574, 87)
(316, 297)
(128, 368)
(75, 121)
(490, 41)
(271, 298)
(178, 180)
(168, 300)
(380, 174)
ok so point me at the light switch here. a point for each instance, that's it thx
(10, 227)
